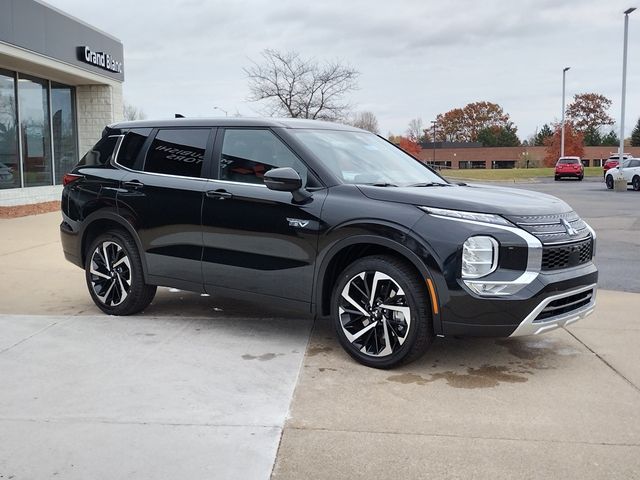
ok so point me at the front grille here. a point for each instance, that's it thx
(551, 229)
(565, 305)
(568, 255)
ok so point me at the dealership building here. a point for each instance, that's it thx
(60, 84)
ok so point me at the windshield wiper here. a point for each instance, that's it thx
(382, 184)
(429, 184)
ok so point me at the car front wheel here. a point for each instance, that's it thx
(381, 312)
(609, 181)
(114, 276)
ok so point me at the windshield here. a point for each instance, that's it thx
(364, 158)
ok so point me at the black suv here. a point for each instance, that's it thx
(327, 219)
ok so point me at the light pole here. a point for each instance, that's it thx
(226, 114)
(624, 88)
(564, 75)
(433, 141)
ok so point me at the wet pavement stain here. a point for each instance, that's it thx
(535, 349)
(315, 350)
(324, 369)
(486, 376)
(263, 358)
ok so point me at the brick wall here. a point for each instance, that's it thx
(98, 106)
(454, 156)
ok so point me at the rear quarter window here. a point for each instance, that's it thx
(130, 152)
(101, 153)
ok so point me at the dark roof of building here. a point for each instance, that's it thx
(236, 122)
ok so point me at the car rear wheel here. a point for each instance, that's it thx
(580, 178)
(636, 183)
(609, 181)
(381, 312)
(557, 177)
(114, 276)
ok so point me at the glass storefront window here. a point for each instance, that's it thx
(35, 131)
(9, 161)
(63, 126)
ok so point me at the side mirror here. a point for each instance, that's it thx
(284, 179)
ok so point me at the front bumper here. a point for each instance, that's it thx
(558, 311)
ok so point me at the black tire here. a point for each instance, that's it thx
(557, 178)
(407, 341)
(635, 182)
(120, 272)
(609, 181)
(580, 178)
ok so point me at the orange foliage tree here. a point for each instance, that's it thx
(573, 144)
(465, 124)
(409, 146)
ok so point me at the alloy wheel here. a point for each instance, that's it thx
(110, 273)
(636, 183)
(374, 313)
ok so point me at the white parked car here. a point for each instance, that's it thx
(630, 171)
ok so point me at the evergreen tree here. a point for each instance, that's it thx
(592, 137)
(635, 135)
(544, 133)
(499, 136)
(610, 139)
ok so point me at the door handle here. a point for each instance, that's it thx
(219, 194)
(133, 184)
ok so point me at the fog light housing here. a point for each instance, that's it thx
(479, 256)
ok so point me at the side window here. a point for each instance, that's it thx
(177, 152)
(248, 154)
(129, 153)
(101, 153)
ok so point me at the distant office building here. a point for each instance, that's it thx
(60, 84)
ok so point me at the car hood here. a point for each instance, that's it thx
(472, 198)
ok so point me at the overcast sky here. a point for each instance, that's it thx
(416, 58)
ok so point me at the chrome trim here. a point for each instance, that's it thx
(529, 327)
(239, 183)
(534, 260)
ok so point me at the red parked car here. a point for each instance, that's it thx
(569, 167)
(613, 162)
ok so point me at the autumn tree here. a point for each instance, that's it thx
(541, 136)
(635, 135)
(450, 126)
(499, 136)
(573, 144)
(409, 146)
(297, 87)
(588, 112)
(366, 121)
(415, 130)
(464, 124)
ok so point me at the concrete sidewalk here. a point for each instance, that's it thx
(187, 384)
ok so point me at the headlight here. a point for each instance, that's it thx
(470, 216)
(479, 256)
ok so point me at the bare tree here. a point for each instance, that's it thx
(414, 130)
(366, 121)
(301, 88)
(131, 112)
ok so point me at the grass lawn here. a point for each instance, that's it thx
(510, 174)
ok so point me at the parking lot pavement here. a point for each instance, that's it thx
(145, 397)
(537, 407)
